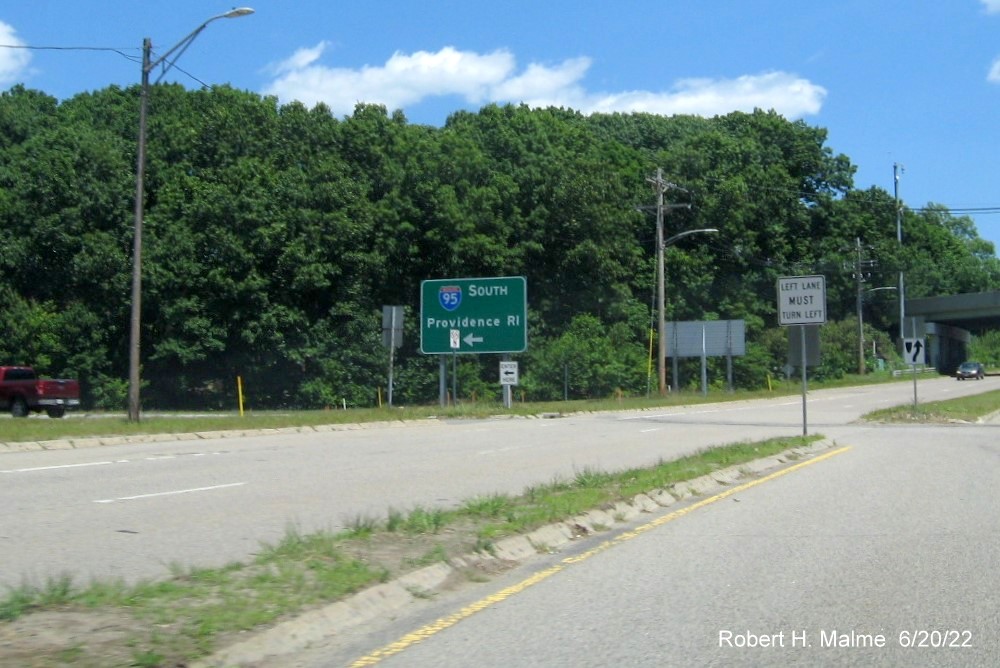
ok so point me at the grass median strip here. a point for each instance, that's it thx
(195, 611)
(111, 425)
(961, 409)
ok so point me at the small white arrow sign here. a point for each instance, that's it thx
(915, 351)
(508, 373)
(471, 339)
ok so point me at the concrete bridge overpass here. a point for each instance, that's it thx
(949, 323)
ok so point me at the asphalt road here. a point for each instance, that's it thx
(881, 554)
(133, 511)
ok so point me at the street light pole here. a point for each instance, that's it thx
(140, 172)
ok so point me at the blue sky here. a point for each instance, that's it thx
(914, 82)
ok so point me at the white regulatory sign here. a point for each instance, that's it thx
(802, 300)
(508, 373)
(914, 351)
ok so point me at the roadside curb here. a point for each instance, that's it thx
(100, 441)
(991, 418)
(386, 599)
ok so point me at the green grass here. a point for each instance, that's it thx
(107, 425)
(434, 555)
(962, 409)
(421, 521)
(180, 618)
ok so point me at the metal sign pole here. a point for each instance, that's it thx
(443, 380)
(507, 400)
(704, 364)
(805, 420)
(913, 327)
(392, 349)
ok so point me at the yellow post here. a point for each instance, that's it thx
(649, 369)
(239, 391)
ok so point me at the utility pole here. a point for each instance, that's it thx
(897, 169)
(858, 280)
(862, 271)
(167, 60)
(661, 345)
(661, 186)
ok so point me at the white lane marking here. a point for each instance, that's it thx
(646, 431)
(683, 413)
(171, 493)
(53, 468)
(507, 449)
(56, 467)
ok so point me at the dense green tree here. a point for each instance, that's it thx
(588, 360)
(275, 233)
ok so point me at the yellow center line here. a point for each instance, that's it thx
(450, 620)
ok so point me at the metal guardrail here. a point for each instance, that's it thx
(896, 373)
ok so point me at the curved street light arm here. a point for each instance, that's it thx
(681, 235)
(182, 45)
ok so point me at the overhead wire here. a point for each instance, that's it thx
(121, 51)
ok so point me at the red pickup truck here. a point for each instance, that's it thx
(22, 391)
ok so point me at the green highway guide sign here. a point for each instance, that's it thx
(474, 315)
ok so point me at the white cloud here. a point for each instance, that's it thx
(539, 81)
(301, 59)
(403, 80)
(993, 7)
(480, 78)
(13, 62)
(786, 94)
(994, 75)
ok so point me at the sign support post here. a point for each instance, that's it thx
(913, 326)
(443, 381)
(392, 352)
(915, 352)
(805, 382)
(392, 337)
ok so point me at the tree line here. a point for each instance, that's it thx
(274, 234)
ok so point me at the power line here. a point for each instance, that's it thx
(65, 48)
(961, 211)
(121, 51)
(934, 208)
